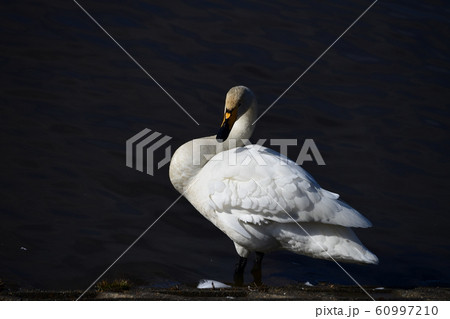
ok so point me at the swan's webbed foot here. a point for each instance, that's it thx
(257, 269)
(239, 271)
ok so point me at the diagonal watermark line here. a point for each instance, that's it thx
(137, 63)
(315, 61)
(137, 239)
(317, 243)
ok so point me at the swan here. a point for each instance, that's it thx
(259, 198)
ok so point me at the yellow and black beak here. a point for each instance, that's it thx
(229, 118)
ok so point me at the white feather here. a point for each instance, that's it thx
(211, 284)
(288, 188)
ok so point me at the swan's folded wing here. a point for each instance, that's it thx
(258, 185)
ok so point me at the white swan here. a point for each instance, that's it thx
(260, 199)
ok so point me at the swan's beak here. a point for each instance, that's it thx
(227, 124)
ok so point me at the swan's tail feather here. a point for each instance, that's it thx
(324, 241)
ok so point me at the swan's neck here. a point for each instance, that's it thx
(190, 157)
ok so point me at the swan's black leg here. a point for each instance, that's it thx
(239, 271)
(256, 270)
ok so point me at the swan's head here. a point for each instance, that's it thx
(238, 101)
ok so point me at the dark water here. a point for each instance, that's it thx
(377, 106)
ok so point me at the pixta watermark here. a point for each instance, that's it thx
(142, 151)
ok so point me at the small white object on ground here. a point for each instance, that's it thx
(308, 284)
(379, 288)
(211, 284)
(23, 248)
